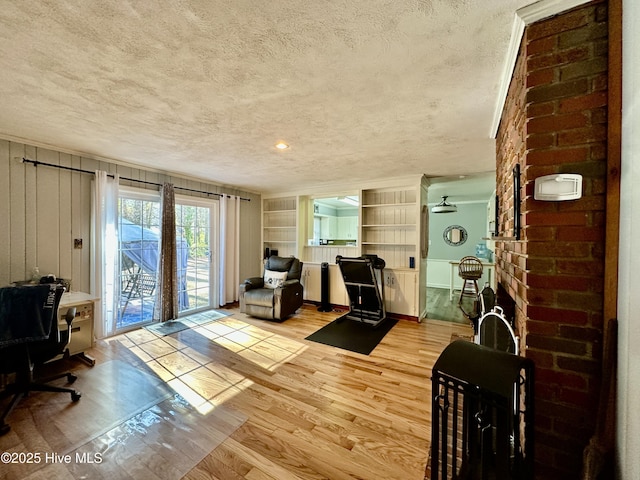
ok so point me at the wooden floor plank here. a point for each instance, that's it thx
(310, 411)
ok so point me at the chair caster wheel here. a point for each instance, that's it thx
(4, 429)
(71, 377)
(75, 396)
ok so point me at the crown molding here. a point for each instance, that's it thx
(523, 17)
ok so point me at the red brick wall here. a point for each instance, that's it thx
(554, 121)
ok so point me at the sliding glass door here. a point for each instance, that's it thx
(139, 233)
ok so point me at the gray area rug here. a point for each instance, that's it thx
(167, 328)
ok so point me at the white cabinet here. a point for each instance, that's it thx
(400, 288)
(312, 282)
(400, 291)
(347, 228)
(341, 228)
(82, 326)
(328, 227)
(337, 290)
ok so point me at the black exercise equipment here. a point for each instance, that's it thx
(366, 297)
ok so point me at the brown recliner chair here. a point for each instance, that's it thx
(259, 300)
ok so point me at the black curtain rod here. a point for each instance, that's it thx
(63, 167)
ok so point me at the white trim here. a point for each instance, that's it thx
(138, 193)
(547, 8)
(628, 378)
(517, 30)
(523, 17)
(213, 205)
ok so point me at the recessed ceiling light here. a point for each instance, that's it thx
(282, 146)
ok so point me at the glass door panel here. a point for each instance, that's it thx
(138, 228)
(193, 223)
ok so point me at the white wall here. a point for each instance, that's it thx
(628, 422)
(471, 216)
(42, 209)
(440, 273)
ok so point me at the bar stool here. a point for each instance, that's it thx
(470, 270)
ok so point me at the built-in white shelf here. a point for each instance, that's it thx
(279, 225)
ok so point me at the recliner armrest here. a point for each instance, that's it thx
(287, 299)
(253, 282)
(287, 290)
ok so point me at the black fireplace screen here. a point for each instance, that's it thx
(482, 415)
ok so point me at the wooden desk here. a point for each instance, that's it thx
(82, 328)
(488, 266)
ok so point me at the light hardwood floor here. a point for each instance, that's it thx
(304, 410)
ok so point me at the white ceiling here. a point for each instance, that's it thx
(360, 89)
(461, 189)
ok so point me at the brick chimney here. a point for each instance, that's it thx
(555, 121)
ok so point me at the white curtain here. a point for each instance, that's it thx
(104, 251)
(229, 249)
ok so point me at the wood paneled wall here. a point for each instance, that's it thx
(43, 209)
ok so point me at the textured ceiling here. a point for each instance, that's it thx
(360, 89)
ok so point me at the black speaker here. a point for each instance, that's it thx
(325, 306)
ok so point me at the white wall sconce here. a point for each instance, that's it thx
(559, 187)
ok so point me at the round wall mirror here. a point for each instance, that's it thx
(454, 235)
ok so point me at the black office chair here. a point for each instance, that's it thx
(29, 337)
